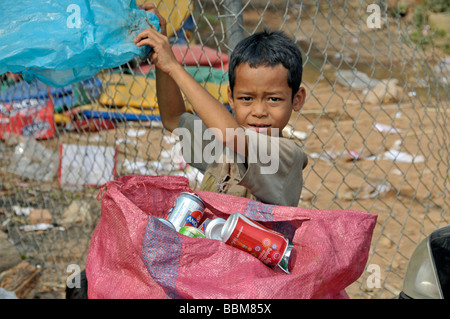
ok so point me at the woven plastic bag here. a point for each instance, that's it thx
(61, 42)
(134, 255)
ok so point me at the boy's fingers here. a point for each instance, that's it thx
(147, 6)
(144, 34)
(152, 8)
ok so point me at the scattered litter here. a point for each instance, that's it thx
(34, 161)
(356, 155)
(397, 156)
(442, 69)
(192, 174)
(397, 145)
(369, 191)
(385, 91)
(21, 211)
(138, 167)
(173, 157)
(136, 133)
(167, 166)
(126, 141)
(291, 133)
(95, 138)
(86, 165)
(382, 128)
(42, 226)
(170, 139)
(355, 79)
(156, 124)
(28, 117)
(326, 155)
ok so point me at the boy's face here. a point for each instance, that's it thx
(262, 99)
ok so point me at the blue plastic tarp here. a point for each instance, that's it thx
(61, 42)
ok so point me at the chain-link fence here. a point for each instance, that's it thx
(374, 126)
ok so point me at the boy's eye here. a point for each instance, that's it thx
(245, 98)
(274, 99)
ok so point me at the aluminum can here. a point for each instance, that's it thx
(205, 223)
(214, 228)
(265, 244)
(187, 210)
(166, 222)
(192, 232)
(284, 262)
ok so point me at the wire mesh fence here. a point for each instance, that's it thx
(374, 127)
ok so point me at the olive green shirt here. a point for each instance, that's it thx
(275, 177)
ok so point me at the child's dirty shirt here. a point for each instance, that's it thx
(231, 176)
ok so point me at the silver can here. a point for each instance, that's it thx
(187, 210)
(214, 228)
(166, 222)
(203, 225)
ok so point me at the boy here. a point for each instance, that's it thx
(265, 73)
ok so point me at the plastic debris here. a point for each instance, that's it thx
(355, 79)
(136, 133)
(383, 128)
(369, 191)
(41, 226)
(397, 156)
(34, 161)
(291, 133)
(86, 165)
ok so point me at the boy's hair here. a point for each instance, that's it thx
(268, 48)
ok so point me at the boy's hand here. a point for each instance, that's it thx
(152, 8)
(162, 55)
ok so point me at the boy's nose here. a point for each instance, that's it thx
(259, 110)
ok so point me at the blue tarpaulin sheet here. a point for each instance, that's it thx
(61, 42)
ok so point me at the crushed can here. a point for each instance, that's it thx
(270, 247)
(187, 210)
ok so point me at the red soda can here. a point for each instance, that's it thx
(272, 248)
(187, 210)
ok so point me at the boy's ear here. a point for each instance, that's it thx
(230, 98)
(299, 99)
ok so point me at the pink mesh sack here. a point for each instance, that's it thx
(134, 255)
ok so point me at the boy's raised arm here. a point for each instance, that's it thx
(209, 109)
(170, 101)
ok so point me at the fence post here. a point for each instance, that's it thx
(234, 22)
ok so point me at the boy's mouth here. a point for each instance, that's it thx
(259, 127)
